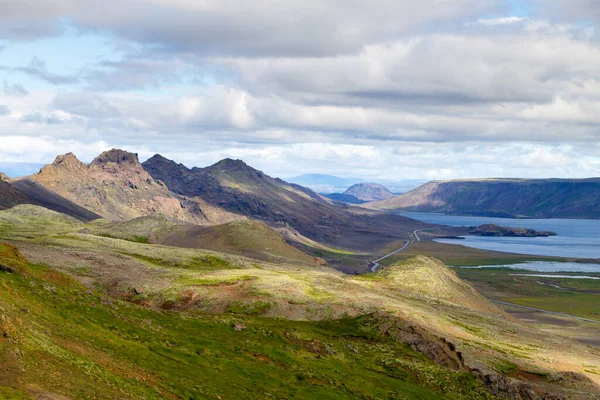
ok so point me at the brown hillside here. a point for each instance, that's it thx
(115, 186)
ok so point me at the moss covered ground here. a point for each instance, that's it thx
(58, 338)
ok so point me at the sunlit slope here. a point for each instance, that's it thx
(421, 295)
(61, 341)
(246, 238)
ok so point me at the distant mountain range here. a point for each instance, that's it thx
(361, 193)
(514, 198)
(369, 192)
(327, 184)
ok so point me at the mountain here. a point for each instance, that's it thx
(114, 186)
(241, 189)
(13, 193)
(9, 195)
(343, 198)
(40, 196)
(369, 192)
(540, 198)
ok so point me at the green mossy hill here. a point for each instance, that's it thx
(248, 238)
(26, 213)
(147, 229)
(431, 278)
(60, 340)
(28, 221)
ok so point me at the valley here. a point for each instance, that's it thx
(299, 200)
(272, 286)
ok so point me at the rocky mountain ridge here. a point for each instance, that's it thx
(115, 186)
(241, 189)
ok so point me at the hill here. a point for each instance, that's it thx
(40, 196)
(11, 196)
(238, 188)
(65, 341)
(16, 192)
(369, 192)
(544, 198)
(185, 323)
(114, 186)
(246, 238)
(344, 198)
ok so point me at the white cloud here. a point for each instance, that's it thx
(395, 89)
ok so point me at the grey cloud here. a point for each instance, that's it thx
(587, 10)
(37, 68)
(33, 117)
(239, 27)
(4, 111)
(84, 104)
(14, 90)
(139, 73)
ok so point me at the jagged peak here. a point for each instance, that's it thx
(159, 159)
(116, 156)
(4, 177)
(67, 160)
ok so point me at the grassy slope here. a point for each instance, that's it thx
(248, 238)
(60, 339)
(235, 287)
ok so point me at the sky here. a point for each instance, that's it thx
(377, 89)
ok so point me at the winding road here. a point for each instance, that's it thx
(375, 265)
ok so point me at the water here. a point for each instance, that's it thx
(577, 238)
(548, 266)
(559, 276)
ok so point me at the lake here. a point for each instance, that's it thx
(578, 238)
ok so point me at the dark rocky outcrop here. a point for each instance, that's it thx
(116, 156)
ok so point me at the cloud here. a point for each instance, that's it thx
(89, 105)
(37, 69)
(237, 27)
(33, 117)
(433, 89)
(14, 90)
(4, 111)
